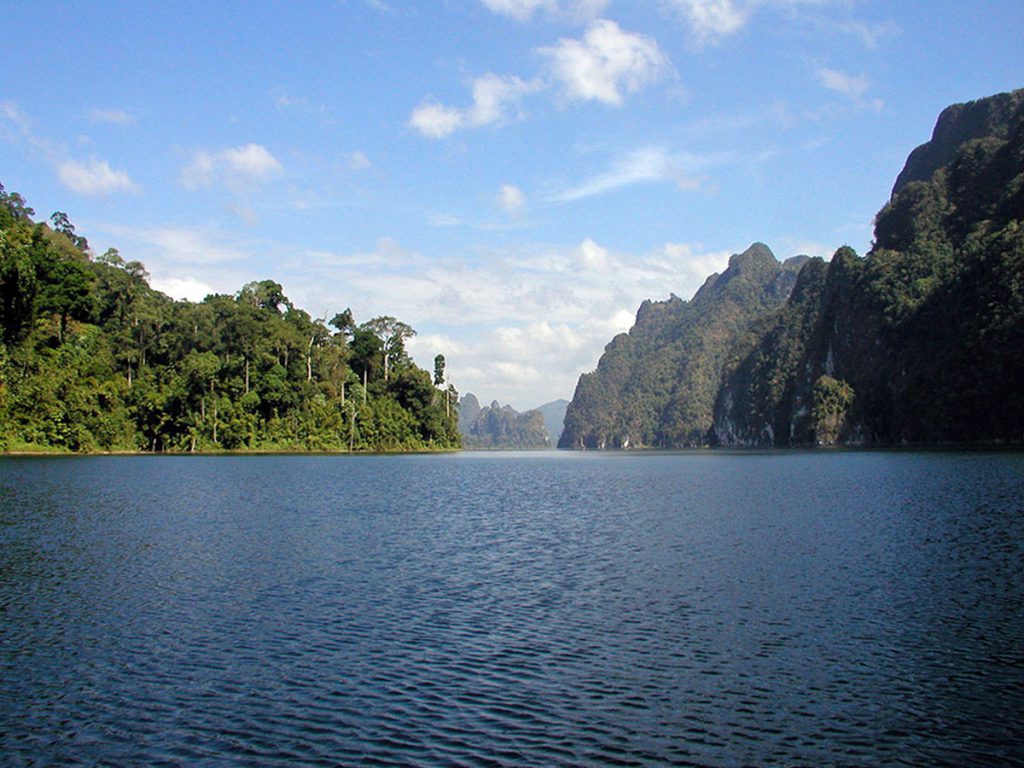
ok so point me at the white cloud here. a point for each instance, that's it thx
(436, 121)
(643, 165)
(251, 160)
(511, 198)
(606, 62)
(94, 177)
(492, 313)
(603, 65)
(494, 96)
(236, 166)
(711, 20)
(188, 288)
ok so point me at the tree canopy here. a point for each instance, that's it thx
(93, 359)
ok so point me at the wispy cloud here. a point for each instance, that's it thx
(111, 116)
(442, 220)
(84, 177)
(644, 165)
(606, 62)
(523, 10)
(869, 34)
(853, 87)
(711, 20)
(240, 165)
(185, 245)
(358, 161)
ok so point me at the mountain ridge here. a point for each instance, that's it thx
(921, 341)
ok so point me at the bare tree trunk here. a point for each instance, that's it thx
(309, 359)
(247, 375)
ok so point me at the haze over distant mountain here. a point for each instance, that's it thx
(554, 418)
(919, 342)
(497, 427)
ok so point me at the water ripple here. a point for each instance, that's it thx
(693, 609)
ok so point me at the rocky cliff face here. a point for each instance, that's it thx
(956, 126)
(655, 385)
(921, 341)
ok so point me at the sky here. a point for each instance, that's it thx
(512, 178)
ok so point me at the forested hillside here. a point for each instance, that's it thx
(655, 386)
(919, 342)
(922, 340)
(93, 359)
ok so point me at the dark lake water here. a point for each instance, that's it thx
(708, 609)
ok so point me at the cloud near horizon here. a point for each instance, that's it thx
(491, 313)
(94, 177)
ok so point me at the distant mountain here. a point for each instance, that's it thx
(655, 386)
(554, 418)
(498, 427)
(919, 342)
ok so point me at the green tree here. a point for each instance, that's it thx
(832, 401)
(18, 285)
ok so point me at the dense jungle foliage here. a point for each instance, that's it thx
(93, 359)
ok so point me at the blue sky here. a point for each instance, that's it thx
(510, 177)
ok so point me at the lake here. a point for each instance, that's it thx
(706, 609)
